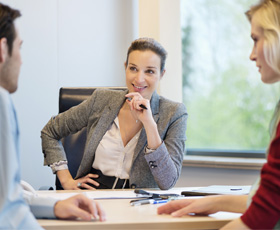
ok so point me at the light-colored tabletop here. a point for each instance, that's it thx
(121, 215)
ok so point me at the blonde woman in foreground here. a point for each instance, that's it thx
(261, 209)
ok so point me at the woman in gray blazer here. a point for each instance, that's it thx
(135, 138)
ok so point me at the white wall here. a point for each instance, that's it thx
(66, 43)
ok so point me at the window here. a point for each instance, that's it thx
(229, 107)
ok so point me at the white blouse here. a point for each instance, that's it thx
(112, 158)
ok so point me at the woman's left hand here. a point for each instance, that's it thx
(144, 115)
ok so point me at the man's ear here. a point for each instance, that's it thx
(163, 72)
(3, 49)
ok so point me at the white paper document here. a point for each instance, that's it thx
(220, 190)
(97, 194)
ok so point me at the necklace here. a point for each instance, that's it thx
(127, 107)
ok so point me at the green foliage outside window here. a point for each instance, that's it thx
(228, 105)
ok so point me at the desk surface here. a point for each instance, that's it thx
(121, 215)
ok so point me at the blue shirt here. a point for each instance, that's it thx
(14, 211)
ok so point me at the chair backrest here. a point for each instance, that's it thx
(74, 144)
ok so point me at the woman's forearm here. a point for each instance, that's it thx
(153, 138)
(64, 176)
(232, 203)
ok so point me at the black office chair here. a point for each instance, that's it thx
(74, 144)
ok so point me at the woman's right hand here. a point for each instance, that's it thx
(68, 183)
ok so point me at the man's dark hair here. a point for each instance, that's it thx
(7, 26)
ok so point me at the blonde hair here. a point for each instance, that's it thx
(267, 16)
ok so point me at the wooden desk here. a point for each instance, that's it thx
(121, 215)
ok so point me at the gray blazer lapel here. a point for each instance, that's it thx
(106, 119)
(109, 114)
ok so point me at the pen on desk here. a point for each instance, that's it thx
(140, 202)
(148, 201)
(160, 201)
(142, 106)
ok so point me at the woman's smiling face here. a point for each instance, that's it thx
(143, 72)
